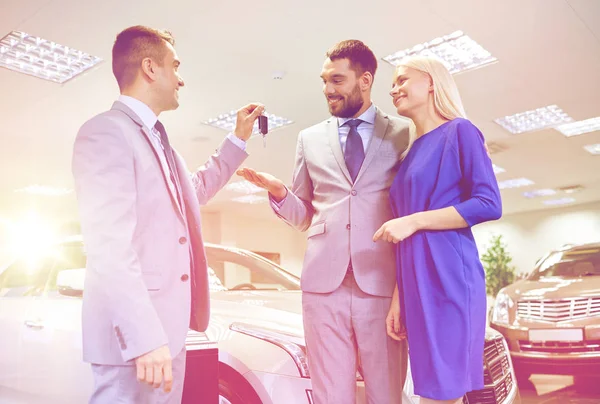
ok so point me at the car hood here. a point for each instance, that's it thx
(275, 310)
(555, 288)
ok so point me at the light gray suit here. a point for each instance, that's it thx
(146, 279)
(344, 312)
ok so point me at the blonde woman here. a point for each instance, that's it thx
(444, 186)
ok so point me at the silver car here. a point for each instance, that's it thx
(255, 321)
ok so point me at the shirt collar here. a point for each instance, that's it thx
(367, 116)
(142, 110)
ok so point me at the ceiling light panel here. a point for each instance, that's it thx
(515, 183)
(42, 58)
(244, 187)
(536, 119)
(539, 192)
(497, 169)
(593, 148)
(457, 51)
(579, 127)
(227, 122)
(561, 201)
(252, 199)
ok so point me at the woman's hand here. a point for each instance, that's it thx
(396, 230)
(394, 326)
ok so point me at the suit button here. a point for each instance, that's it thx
(348, 226)
(182, 240)
(123, 347)
(185, 277)
(353, 192)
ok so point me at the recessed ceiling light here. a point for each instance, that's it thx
(497, 169)
(245, 187)
(227, 122)
(539, 192)
(514, 183)
(457, 51)
(571, 189)
(579, 127)
(593, 148)
(42, 58)
(533, 120)
(44, 190)
(562, 201)
(250, 199)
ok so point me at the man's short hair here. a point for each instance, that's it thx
(133, 45)
(360, 56)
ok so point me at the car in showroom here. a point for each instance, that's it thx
(255, 322)
(551, 319)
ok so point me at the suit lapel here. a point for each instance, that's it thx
(379, 132)
(336, 147)
(148, 136)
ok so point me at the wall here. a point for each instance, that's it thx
(530, 235)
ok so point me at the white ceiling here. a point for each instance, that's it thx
(548, 52)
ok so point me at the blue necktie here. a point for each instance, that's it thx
(355, 152)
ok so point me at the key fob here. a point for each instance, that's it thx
(263, 124)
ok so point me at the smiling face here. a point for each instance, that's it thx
(344, 90)
(167, 80)
(412, 90)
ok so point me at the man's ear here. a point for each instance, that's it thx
(149, 68)
(366, 81)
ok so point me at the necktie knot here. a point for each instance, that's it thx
(353, 123)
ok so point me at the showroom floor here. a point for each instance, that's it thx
(546, 389)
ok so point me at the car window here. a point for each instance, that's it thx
(236, 270)
(37, 275)
(575, 263)
(228, 270)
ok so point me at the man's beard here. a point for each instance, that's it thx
(352, 104)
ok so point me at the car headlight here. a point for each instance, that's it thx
(294, 345)
(502, 307)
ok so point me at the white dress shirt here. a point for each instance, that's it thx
(365, 129)
(149, 120)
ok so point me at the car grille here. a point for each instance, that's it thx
(560, 347)
(560, 309)
(497, 376)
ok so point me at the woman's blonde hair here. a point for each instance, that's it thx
(446, 98)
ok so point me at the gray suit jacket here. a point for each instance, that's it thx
(339, 216)
(145, 257)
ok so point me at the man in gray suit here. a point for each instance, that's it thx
(146, 279)
(340, 196)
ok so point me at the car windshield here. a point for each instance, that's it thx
(37, 274)
(574, 263)
(229, 269)
(238, 270)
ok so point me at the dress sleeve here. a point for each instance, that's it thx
(481, 200)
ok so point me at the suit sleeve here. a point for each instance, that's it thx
(482, 200)
(217, 171)
(296, 209)
(103, 170)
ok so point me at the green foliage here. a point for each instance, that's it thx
(496, 262)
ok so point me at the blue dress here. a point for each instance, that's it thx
(440, 277)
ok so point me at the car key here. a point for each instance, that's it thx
(263, 127)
